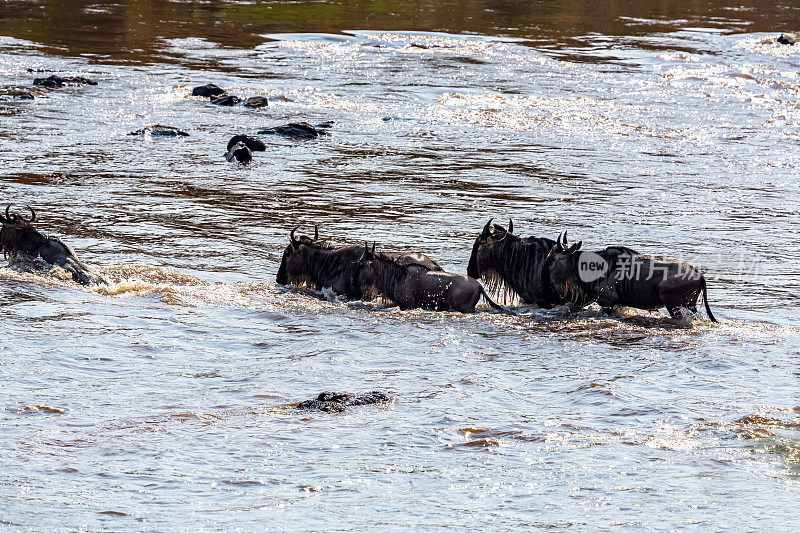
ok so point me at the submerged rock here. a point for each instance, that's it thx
(208, 90)
(788, 38)
(226, 100)
(19, 93)
(299, 130)
(336, 402)
(256, 101)
(58, 81)
(160, 130)
(240, 152)
(253, 143)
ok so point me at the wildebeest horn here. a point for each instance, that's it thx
(373, 246)
(316, 232)
(33, 214)
(295, 242)
(8, 216)
(565, 237)
(510, 226)
(485, 228)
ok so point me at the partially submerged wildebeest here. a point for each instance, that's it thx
(241, 148)
(314, 263)
(509, 263)
(412, 286)
(336, 402)
(19, 238)
(621, 277)
(788, 38)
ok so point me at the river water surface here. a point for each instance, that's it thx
(161, 402)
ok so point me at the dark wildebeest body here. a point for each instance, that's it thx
(628, 279)
(240, 152)
(208, 90)
(159, 130)
(788, 38)
(508, 262)
(412, 286)
(58, 81)
(299, 130)
(318, 265)
(18, 236)
(336, 402)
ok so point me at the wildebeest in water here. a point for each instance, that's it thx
(619, 276)
(317, 264)
(19, 238)
(412, 286)
(510, 264)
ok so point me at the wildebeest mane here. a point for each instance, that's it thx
(513, 264)
(389, 273)
(321, 262)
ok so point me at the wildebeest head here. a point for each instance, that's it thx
(364, 276)
(292, 264)
(18, 235)
(561, 281)
(481, 258)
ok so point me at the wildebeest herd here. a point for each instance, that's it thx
(539, 271)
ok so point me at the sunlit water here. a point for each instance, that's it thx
(162, 399)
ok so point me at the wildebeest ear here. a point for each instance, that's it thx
(373, 246)
(574, 248)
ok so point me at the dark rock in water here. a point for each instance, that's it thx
(19, 93)
(58, 81)
(256, 101)
(37, 70)
(336, 402)
(299, 130)
(163, 131)
(788, 38)
(240, 152)
(253, 143)
(209, 90)
(226, 100)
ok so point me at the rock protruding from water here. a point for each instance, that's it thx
(58, 81)
(208, 90)
(336, 402)
(256, 102)
(253, 143)
(299, 130)
(788, 38)
(226, 100)
(19, 93)
(160, 130)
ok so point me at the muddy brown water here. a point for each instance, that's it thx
(160, 400)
